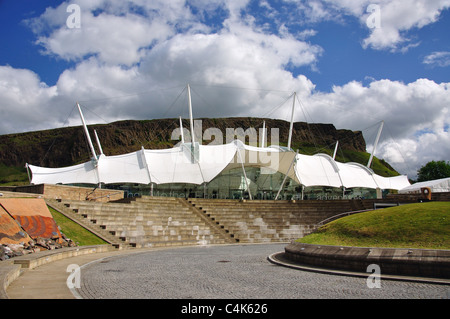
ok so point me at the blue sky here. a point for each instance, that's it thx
(343, 60)
(19, 48)
(132, 59)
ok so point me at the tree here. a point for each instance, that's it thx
(433, 170)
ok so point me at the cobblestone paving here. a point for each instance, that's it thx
(230, 272)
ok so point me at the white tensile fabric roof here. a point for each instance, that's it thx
(437, 185)
(202, 163)
(323, 170)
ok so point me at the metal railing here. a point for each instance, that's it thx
(330, 219)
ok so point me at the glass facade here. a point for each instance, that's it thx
(257, 183)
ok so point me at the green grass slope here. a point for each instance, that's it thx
(421, 225)
(80, 235)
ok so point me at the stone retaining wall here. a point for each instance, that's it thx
(49, 191)
(11, 269)
(392, 261)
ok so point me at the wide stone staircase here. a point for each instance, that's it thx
(144, 222)
(271, 221)
(163, 221)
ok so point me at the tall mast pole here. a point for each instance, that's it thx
(98, 142)
(292, 122)
(181, 129)
(376, 144)
(335, 149)
(87, 133)
(190, 114)
(263, 142)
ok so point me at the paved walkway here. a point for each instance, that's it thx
(49, 281)
(204, 272)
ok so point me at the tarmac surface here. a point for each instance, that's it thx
(204, 272)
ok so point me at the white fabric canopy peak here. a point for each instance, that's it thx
(323, 170)
(198, 164)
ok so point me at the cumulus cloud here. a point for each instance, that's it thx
(116, 32)
(416, 117)
(25, 100)
(397, 19)
(115, 39)
(126, 48)
(389, 22)
(132, 59)
(440, 59)
(416, 114)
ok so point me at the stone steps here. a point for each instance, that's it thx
(139, 219)
(103, 234)
(145, 222)
(263, 221)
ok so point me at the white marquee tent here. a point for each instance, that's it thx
(323, 170)
(202, 163)
(198, 164)
(436, 186)
(181, 164)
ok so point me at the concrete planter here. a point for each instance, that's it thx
(392, 261)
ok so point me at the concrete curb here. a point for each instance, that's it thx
(34, 260)
(8, 273)
(11, 269)
(420, 265)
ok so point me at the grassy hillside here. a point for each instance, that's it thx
(67, 146)
(421, 225)
(17, 176)
(13, 176)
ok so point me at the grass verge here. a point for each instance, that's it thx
(421, 225)
(72, 230)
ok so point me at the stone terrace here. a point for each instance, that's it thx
(164, 221)
(143, 222)
(259, 221)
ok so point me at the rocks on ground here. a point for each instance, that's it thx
(8, 251)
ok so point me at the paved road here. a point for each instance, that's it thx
(230, 272)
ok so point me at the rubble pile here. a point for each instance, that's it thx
(8, 251)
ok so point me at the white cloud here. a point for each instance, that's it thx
(416, 114)
(115, 39)
(120, 51)
(416, 118)
(441, 59)
(128, 54)
(409, 154)
(117, 32)
(24, 100)
(397, 18)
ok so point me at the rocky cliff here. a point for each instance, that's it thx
(67, 146)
